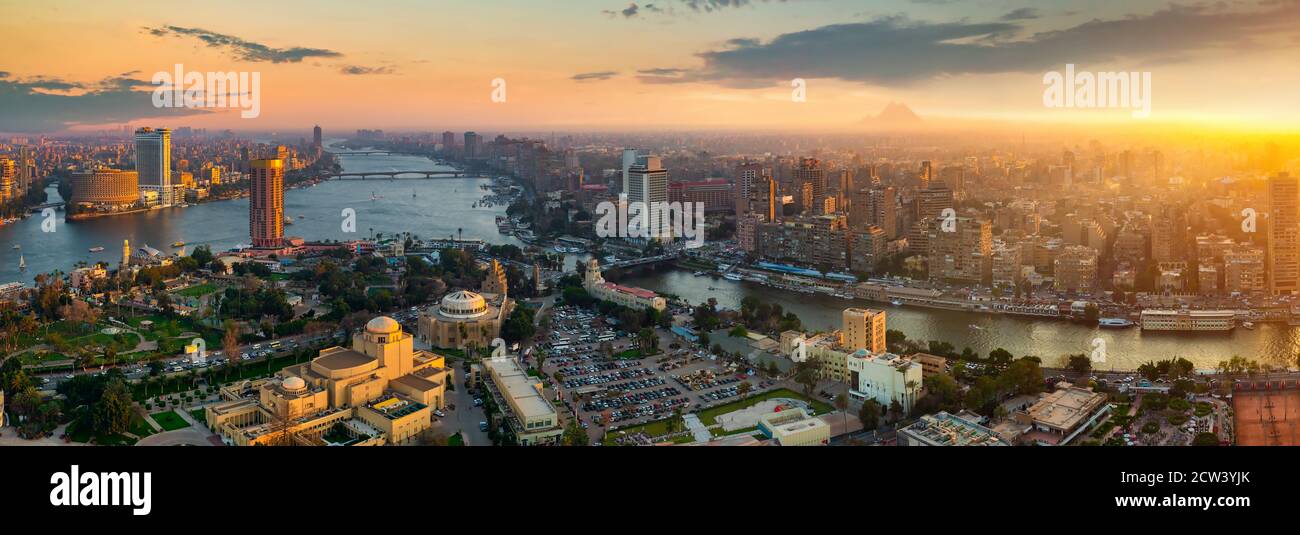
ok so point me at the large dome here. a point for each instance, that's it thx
(383, 325)
(294, 384)
(463, 305)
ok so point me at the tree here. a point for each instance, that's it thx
(1080, 364)
(805, 374)
(112, 414)
(575, 435)
(842, 403)
(869, 414)
(1206, 439)
(743, 389)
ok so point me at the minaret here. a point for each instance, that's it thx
(126, 253)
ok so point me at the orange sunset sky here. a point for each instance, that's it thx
(688, 64)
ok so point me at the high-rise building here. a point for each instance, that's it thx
(927, 174)
(864, 329)
(821, 241)
(647, 183)
(1076, 268)
(749, 177)
(316, 136)
(1283, 234)
(866, 248)
(448, 141)
(473, 144)
(933, 200)
(8, 179)
(962, 252)
(810, 182)
(1243, 269)
(881, 204)
(266, 203)
(153, 162)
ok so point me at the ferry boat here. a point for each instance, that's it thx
(178, 244)
(96, 249)
(731, 277)
(1114, 323)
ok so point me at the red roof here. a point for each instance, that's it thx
(639, 292)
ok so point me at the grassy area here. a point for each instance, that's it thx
(456, 440)
(199, 415)
(139, 427)
(170, 421)
(652, 429)
(709, 416)
(198, 290)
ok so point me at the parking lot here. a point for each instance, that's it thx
(629, 391)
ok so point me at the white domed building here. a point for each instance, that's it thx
(464, 318)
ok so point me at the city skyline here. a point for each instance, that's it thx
(957, 65)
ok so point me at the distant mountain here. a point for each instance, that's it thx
(895, 114)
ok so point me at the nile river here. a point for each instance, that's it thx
(438, 208)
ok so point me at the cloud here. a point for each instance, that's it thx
(586, 76)
(245, 50)
(1024, 13)
(719, 5)
(361, 69)
(628, 12)
(42, 104)
(897, 51)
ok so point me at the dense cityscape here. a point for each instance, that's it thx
(170, 277)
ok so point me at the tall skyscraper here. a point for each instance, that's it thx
(749, 176)
(316, 136)
(266, 203)
(864, 329)
(881, 203)
(472, 145)
(1283, 234)
(629, 159)
(153, 162)
(8, 179)
(927, 174)
(647, 182)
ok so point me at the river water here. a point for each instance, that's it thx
(439, 208)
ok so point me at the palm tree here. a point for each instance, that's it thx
(842, 403)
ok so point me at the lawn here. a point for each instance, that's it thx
(198, 290)
(199, 415)
(139, 427)
(651, 429)
(170, 421)
(709, 416)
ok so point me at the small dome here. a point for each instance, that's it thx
(383, 325)
(294, 384)
(463, 305)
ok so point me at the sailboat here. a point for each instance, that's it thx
(22, 263)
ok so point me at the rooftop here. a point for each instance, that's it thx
(342, 359)
(513, 381)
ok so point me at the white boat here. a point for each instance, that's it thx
(22, 263)
(96, 249)
(976, 327)
(1247, 325)
(896, 302)
(731, 277)
(1114, 322)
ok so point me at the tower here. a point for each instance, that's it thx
(266, 203)
(126, 254)
(495, 282)
(153, 157)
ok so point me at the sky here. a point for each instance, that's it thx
(657, 65)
